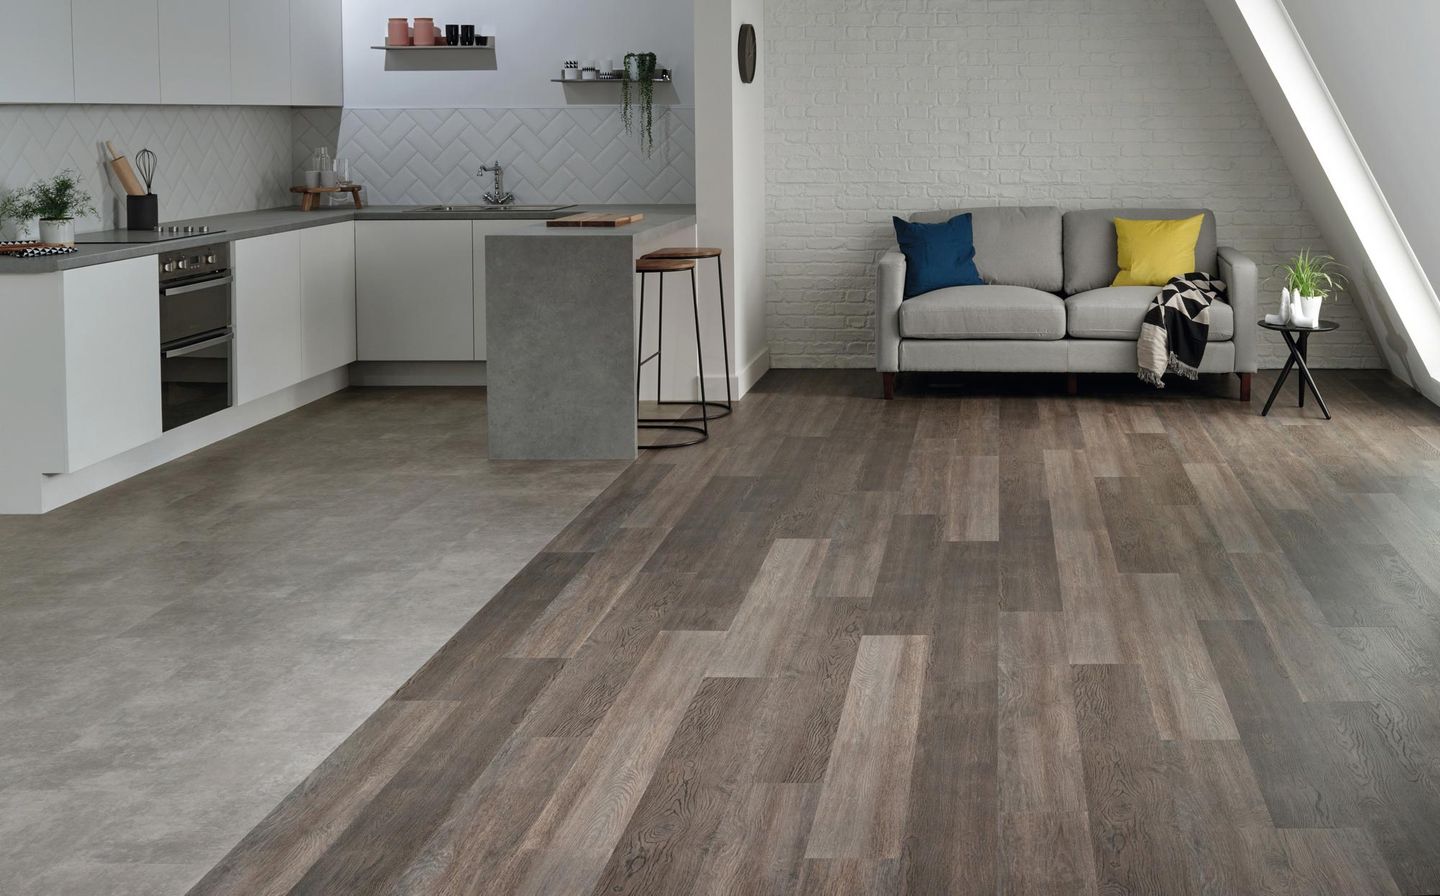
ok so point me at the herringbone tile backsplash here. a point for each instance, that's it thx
(409, 156)
(212, 159)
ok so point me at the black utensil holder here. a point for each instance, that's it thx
(142, 212)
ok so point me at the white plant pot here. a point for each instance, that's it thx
(1310, 308)
(60, 232)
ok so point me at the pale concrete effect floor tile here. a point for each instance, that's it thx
(179, 651)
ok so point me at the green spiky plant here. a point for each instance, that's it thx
(57, 199)
(1313, 274)
(644, 76)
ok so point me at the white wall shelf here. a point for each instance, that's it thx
(607, 81)
(409, 48)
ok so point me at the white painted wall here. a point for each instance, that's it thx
(1325, 156)
(730, 176)
(534, 38)
(878, 107)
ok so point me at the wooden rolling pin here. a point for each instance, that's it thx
(121, 166)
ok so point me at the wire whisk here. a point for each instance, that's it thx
(145, 162)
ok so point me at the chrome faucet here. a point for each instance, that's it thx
(497, 196)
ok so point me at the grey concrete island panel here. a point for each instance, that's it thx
(561, 347)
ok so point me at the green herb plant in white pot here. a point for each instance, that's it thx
(57, 202)
(1309, 279)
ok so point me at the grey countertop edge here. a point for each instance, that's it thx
(659, 220)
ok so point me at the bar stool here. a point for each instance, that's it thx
(663, 266)
(698, 253)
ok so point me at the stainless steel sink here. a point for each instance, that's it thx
(497, 209)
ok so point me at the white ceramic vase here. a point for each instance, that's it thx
(59, 232)
(1285, 305)
(1310, 308)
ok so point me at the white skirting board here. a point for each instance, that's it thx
(417, 373)
(43, 493)
(741, 381)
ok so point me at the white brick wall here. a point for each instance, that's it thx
(881, 107)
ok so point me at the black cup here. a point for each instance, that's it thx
(467, 35)
(452, 35)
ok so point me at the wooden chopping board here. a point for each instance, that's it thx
(596, 219)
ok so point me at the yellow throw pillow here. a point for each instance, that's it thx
(1150, 253)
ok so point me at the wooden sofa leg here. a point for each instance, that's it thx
(1245, 379)
(1072, 384)
(887, 381)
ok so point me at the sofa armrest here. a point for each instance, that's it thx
(889, 292)
(1243, 279)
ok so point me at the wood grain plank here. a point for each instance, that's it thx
(760, 846)
(664, 846)
(1040, 763)
(1088, 586)
(775, 612)
(1134, 826)
(863, 800)
(586, 816)
(1047, 853)
(973, 513)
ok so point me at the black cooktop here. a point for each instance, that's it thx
(160, 234)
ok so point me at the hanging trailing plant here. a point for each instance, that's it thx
(639, 68)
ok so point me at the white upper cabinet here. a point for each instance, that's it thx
(316, 76)
(117, 50)
(260, 52)
(195, 51)
(36, 65)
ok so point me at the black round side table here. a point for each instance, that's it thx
(1298, 339)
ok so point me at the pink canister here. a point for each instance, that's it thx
(424, 32)
(398, 34)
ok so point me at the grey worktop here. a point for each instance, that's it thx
(659, 220)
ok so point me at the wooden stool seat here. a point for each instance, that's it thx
(685, 252)
(648, 265)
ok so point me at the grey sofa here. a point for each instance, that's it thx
(1048, 305)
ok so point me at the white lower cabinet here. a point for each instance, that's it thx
(327, 297)
(414, 291)
(483, 229)
(112, 361)
(269, 342)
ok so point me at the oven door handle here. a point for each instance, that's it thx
(196, 287)
(198, 346)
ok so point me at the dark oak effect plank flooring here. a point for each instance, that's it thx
(972, 641)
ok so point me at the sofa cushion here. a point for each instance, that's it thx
(1115, 312)
(1013, 246)
(983, 312)
(1091, 255)
(937, 255)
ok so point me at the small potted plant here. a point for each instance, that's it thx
(1309, 279)
(57, 202)
(640, 68)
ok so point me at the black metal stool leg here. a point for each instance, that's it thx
(724, 331)
(660, 342)
(640, 342)
(699, 354)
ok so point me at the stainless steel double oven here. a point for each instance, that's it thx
(197, 333)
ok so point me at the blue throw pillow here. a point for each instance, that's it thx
(938, 255)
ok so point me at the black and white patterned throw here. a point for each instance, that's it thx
(1177, 327)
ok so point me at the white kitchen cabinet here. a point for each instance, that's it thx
(37, 65)
(415, 295)
(481, 230)
(269, 350)
(195, 52)
(117, 50)
(327, 297)
(112, 361)
(316, 75)
(260, 52)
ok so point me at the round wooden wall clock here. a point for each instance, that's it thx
(746, 52)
